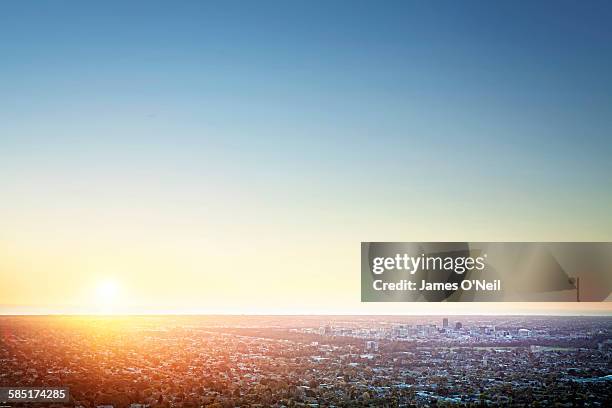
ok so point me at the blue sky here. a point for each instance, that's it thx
(352, 121)
(513, 79)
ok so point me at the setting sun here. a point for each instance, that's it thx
(107, 294)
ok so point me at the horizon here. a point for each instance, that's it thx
(300, 315)
(306, 314)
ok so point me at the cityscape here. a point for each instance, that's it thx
(305, 204)
(310, 361)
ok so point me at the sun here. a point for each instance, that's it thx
(107, 294)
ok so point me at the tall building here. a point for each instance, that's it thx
(445, 322)
(458, 326)
(371, 346)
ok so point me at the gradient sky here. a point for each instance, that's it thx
(231, 156)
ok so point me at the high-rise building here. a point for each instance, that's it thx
(445, 322)
(458, 326)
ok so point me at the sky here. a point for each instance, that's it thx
(229, 157)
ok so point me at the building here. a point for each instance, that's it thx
(371, 346)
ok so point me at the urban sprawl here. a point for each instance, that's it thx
(310, 361)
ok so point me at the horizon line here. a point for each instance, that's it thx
(299, 314)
